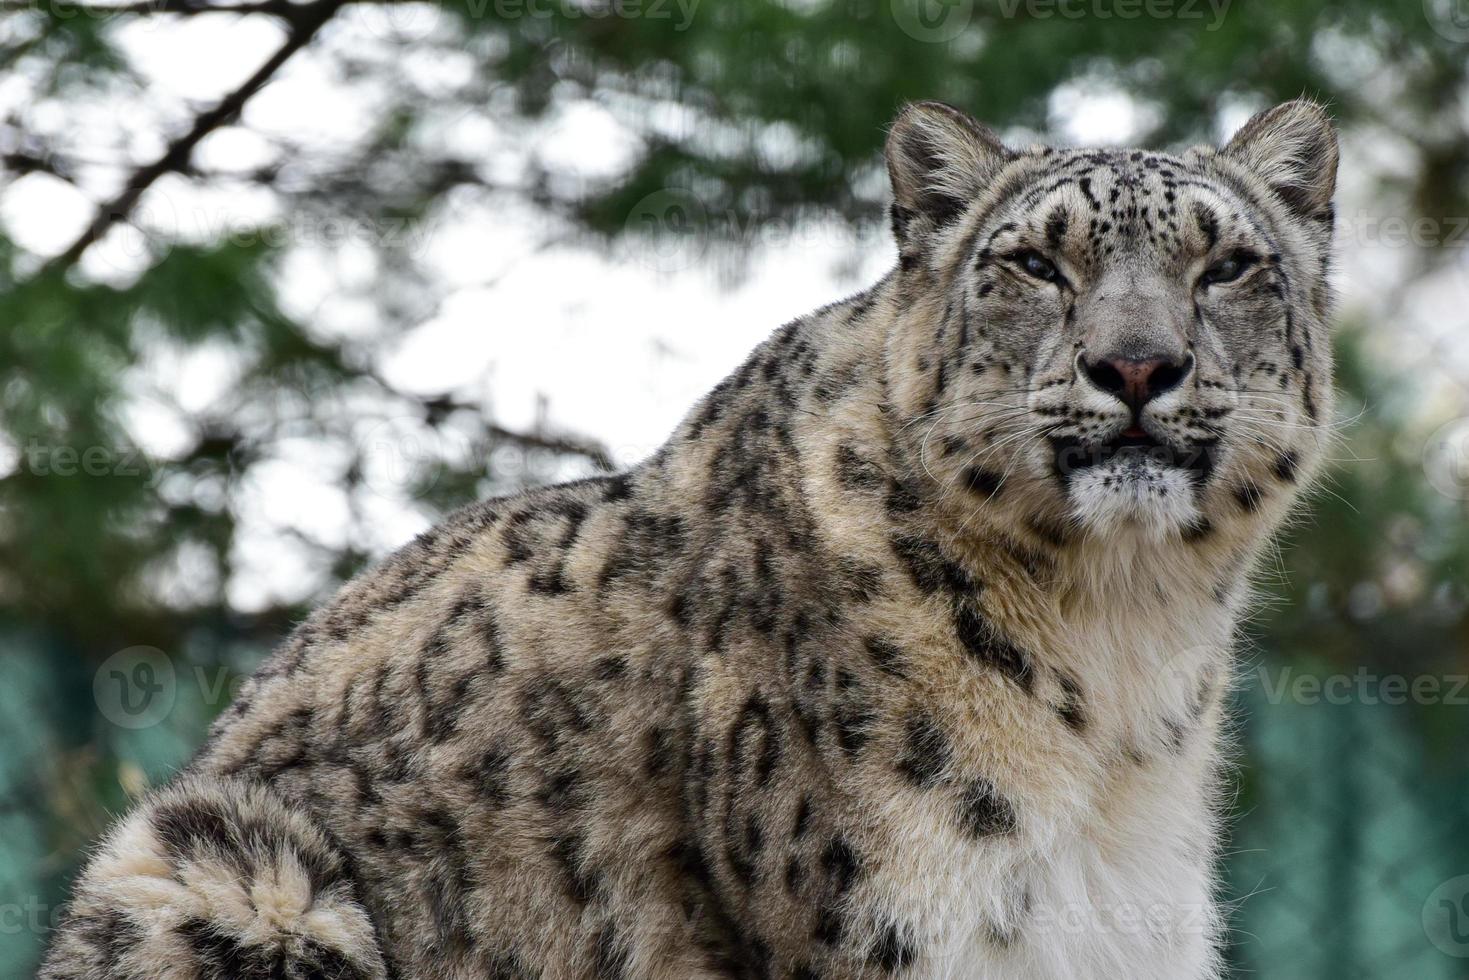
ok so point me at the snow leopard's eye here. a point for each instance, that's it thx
(1226, 270)
(1037, 265)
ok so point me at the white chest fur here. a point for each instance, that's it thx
(1113, 879)
(1090, 908)
(1118, 888)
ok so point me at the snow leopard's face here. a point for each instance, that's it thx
(1127, 339)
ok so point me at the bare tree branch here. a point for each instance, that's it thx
(21, 162)
(594, 452)
(567, 445)
(306, 20)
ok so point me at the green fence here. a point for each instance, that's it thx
(1351, 817)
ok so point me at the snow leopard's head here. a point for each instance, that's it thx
(1115, 340)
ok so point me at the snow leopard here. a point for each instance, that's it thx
(907, 655)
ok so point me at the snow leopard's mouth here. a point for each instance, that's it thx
(1132, 450)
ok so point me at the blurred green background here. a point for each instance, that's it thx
(276, 223)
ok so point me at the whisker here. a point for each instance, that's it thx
(1015, 458)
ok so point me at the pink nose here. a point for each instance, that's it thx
(1137, 382)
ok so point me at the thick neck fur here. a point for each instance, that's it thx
(1084, 675)
(836, 385)
(832, 387)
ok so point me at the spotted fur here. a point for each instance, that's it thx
(893, 662)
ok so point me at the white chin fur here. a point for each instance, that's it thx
(1157, 501)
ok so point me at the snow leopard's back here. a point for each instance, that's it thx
(903, 657)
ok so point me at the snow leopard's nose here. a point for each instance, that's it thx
(1136, 381)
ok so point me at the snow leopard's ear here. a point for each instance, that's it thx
(939, 158)
(1293, 149)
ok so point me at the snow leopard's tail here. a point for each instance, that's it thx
(214, 879)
